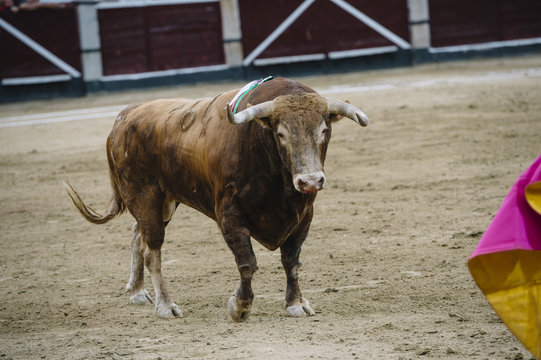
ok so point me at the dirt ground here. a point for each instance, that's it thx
(406, 202)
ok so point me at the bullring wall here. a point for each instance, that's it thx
(92, 46)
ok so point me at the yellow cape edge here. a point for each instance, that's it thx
(533, 196)
(511, 282)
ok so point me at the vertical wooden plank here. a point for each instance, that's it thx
(89, 38)
(232, 33)
(419, 18)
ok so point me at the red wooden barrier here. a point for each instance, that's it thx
(521, 19)
(154, 38)
(54, 29)
(183, 38)
(461, 22)
(322, 28)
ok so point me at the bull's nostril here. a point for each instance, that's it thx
(321, 181)
(301, 183)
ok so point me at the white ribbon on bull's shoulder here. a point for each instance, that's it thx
(234, 104)
(265, 109)
(242, 91)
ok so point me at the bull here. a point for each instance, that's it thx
(255, 171)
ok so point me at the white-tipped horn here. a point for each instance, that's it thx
(255, 112)
(338, 107)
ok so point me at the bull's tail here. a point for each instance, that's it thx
(115, 208)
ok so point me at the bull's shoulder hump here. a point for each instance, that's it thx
(270, 90)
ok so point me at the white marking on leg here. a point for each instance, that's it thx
(165, 307)
(135, 282)
(237, 310)
(141, 297)
(300, 309)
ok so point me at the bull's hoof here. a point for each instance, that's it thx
(141, 297)
(168, 311)
(301, 309)
(238, 309)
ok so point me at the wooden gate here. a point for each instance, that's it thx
(33, 52)
(283, 31)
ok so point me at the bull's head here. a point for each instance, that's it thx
(301, 125)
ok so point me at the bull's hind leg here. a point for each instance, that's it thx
(296, 304)
(165, 307)
(152, 211)
(140, 295)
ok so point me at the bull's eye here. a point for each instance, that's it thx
(323, 134)
(282, 134)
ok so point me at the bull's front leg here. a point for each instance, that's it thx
(240, 304)
(296, 304)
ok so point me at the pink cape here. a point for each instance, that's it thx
(506, 264)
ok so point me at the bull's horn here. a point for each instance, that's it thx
(343, 108)
(255, 112)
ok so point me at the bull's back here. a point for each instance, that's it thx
(175, 143)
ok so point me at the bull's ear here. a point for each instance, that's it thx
(337, 107)
(263, 121)
(335, 117)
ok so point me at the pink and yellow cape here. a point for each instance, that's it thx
(506, 264)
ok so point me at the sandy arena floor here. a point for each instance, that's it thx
(406, 202)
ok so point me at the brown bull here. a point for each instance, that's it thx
(256, 179)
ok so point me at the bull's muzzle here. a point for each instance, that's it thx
(309, 183)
